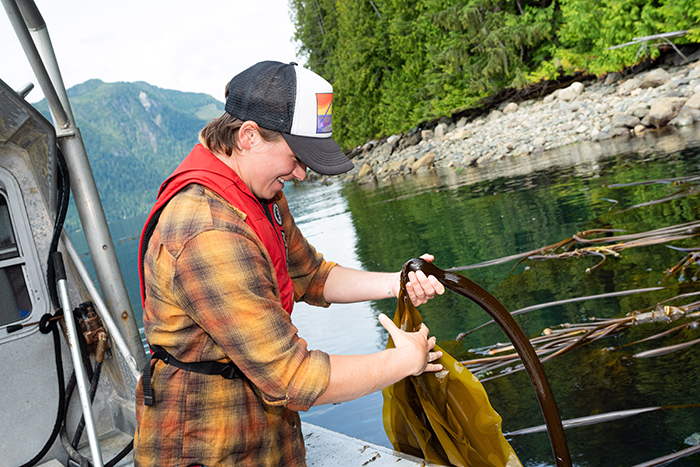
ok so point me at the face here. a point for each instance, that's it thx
(266, 166)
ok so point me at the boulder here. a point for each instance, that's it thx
(461, 122)
(440, 130)
(654, 78)
(393, 140)
(612, 78)
(426, 161)
(570, 93)
(694, 100)
(686, 117)
(427, 134)
(411, 140)
(510, 108)
(460, 134)
(664, 109)
(626, 87)
(495, 115)
(365, 171)
(624, 121)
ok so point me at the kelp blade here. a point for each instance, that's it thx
(444, 417)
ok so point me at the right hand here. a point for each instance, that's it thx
(416, 346)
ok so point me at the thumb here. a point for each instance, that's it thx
(388, 324)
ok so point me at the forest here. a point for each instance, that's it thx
(396, 63)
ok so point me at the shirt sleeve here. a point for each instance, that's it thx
(307, 267)
(223, 281)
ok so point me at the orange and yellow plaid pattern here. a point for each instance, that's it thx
(212, 294)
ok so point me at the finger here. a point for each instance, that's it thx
(428, 257)
(432, 342)
(437, 285)
(433, 367)
(424, 329)
(387, 323)
(432, 356)
(419, 281)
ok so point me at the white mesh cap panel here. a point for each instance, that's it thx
(313, 106)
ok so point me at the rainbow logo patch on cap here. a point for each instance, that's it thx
(324, 109)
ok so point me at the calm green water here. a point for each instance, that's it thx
(480, 215)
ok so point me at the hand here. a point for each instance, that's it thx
(420, 288)
(416, 347)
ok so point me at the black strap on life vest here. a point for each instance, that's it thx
(225, 370)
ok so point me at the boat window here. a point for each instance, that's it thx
(15, 303)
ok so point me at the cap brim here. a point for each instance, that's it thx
(322, 155)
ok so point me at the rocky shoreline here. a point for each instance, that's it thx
(594, 111)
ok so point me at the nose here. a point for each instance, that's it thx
(299, 171)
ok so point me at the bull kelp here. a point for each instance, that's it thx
(468, 224)
(446, 416)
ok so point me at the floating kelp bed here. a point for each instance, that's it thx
(680, 312)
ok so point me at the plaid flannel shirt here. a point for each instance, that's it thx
(212, 294)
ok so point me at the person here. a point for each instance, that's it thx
(222, 263)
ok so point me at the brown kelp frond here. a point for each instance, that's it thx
(692, 258)
(539, 306)
(562, 249)
(554, 342)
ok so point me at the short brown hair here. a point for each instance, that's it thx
(221, 134)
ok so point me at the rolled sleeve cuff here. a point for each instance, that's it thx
(310, 381)
(314, 294)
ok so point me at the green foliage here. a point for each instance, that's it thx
(135, 135)
(396, 63)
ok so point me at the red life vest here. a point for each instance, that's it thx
(204, 168)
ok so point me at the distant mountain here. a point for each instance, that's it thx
(135, 135)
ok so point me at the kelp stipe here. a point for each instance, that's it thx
(446, 417)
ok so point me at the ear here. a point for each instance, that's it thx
(248, 134)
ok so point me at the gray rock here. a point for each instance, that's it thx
(664, 109)
(461, 122)
(686, 117)
(384, 151)
(612, 78)
(626, 87)
(365, 171)
(549, 98)
(427, 135)
(639, 129)
(694, 100)
(539, 141)
(410, 141)
(570, 93)
(425, 161)
(694, 73)
(673, 93)
(646, 121)
(601, 107)
(495, 115)
(641, 111)
(654, 78)
(440, 130)
(510, 108)
(393, 140)
(459, 134)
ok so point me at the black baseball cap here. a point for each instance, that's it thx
(296, 102)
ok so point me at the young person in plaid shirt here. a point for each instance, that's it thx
(222, 263)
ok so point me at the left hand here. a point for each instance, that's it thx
(420, 288)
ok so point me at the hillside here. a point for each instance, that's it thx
(135, 135)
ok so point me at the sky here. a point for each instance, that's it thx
(193, 46)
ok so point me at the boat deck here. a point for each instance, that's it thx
(324, 448)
